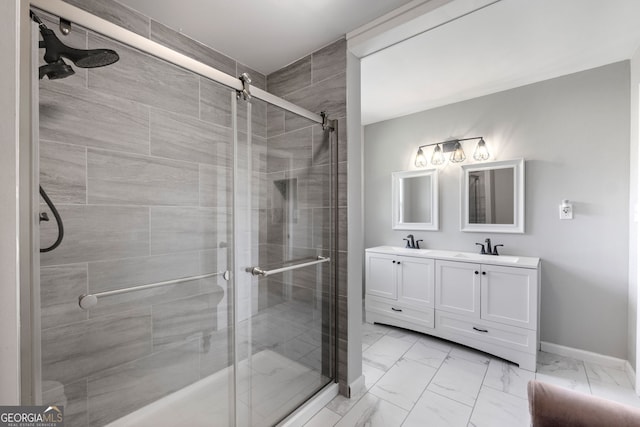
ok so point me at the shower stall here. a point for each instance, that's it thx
(195, 283)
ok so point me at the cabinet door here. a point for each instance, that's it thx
(510, 295)
(415, 281)
(458, 287)
(381, 274)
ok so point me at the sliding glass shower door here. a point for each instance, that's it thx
(283, 221)
(193, 285)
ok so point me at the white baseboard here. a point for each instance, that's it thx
(357, 386)
(585, 356)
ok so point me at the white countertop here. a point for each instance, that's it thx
(507, 260)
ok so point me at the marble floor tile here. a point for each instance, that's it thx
(625, 395)
(426, 354)
(372, 411)
(324, 418)
(371, 333)
(470, 354)
(434, 410)
(341, 404)
(371, 375)
(508, 378)
(385, 352)
(607, 375)
(562, 371)
(459, 379)
(497, 409)
(404, 383)
(405, 335)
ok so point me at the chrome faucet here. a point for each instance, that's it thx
(410, 242)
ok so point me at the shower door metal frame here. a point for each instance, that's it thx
(113, 31)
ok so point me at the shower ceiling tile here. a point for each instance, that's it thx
(125, 179)
(145, 79)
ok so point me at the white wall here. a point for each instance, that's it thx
(9, 324)
(633, 206)
(573, 132)
(354, 220)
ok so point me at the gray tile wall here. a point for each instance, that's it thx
(137, 158)
(316, 82)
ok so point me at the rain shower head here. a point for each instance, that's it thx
(83, 58)
(55, 50)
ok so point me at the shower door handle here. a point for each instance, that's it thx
(257, 271)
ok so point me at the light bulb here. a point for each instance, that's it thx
(458, 154)
(421, 160)
(481, 152)
(437, 158)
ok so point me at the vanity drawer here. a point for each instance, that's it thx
(489, 332)
(391, 308)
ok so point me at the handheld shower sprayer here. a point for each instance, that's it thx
(55, 51)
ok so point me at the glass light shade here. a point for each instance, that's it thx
(458, 154)
(437, 158)
(421, 160)
(481, 152)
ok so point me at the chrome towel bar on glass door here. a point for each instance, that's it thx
(257, 271)
(86, 301)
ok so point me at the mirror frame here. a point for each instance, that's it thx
(518, 197)
(396, 203)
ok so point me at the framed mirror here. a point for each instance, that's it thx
(414, 200)
(492, 197)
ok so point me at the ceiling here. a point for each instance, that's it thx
(453, 50)
(504, 45)
(266, 35)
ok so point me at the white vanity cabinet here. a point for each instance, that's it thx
(486, 302)
(400, 290)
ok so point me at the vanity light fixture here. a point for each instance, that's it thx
(421, 160)
(454, 147)
(437, 158)
(481, 152)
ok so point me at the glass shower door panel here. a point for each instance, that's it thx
(284, 228)
(137, 157)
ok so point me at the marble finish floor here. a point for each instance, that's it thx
(414, 380)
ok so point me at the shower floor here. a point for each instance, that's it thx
(268, 381)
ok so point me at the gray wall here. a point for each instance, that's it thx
(573, 132)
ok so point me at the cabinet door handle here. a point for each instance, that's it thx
(476, 272)
(484, 273)
(396, 309)
(398, 262)
(480, 330)
(393, 262)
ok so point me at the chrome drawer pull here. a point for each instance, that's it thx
(396, 309)
(480, 330)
